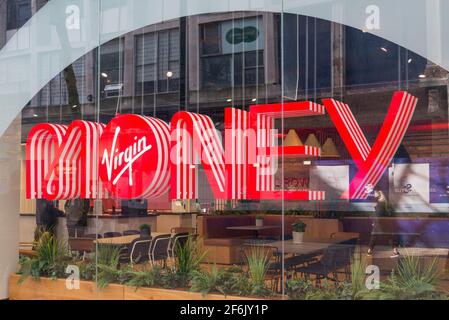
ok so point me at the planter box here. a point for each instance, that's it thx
(168, 294)
(48, 289)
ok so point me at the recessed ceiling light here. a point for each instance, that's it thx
(410, 60)
(74, 106)
(104, 74)
(169, 74)
(229, 100)
(35, 115)
(422, 76)
(254, 100)
(384, 49)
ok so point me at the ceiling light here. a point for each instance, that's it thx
(75, 106)
(384, 49)
(410, 60)
(104, 74)
(307, 162)
(229, 100)
(169, 74)
(254, 100)
(422, 76)
(35, 115)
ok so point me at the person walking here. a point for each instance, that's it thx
(378, 226)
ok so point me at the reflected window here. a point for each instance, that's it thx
(111, 68)
(157, 62)
(18, 13)
(371, 59)
(232, 53)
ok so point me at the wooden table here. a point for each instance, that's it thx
(254, 228)
(312, 246)
(125, 240)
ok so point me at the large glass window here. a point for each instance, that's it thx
(251, 154)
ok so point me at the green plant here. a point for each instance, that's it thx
(358, 273)
(299, 226)
(51, 258)
(144, 226)
(224, 281)
(107, 258)
(257, 258)
(205, 282)
(297, 289)
(110, 274)
(413, 279)
(188, 258)
(302, 289)
(108, 255)
(140, 279)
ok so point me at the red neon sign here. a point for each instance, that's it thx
(143, 157)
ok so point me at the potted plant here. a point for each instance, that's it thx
(298, 231)
(259, 221)
(145, 230)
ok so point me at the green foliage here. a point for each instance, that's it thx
(50, 261)
(188, 257)
(302, 289)
(225, 281)
(413, 279)
(143, 278)
(257, 258)
(108, 255)
(358, 273)
(144, 226)
(107, 258)
(111, 274)
(299, 226)
(88, 270)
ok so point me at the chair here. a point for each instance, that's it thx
(81, 245)
(93, 236)
(130, 232)
(177, 240)
(111, 234)
(136, 251)
(182, 230)
(159, 249)
(334, 258)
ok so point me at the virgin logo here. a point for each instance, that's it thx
(114, 159)
(132, 150)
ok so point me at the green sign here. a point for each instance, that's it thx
(239, 35)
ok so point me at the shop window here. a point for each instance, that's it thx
(157, 62)
(18, 13)
(232, 53)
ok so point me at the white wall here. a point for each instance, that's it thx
(9, 203)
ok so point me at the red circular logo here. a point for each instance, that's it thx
(134, 154)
